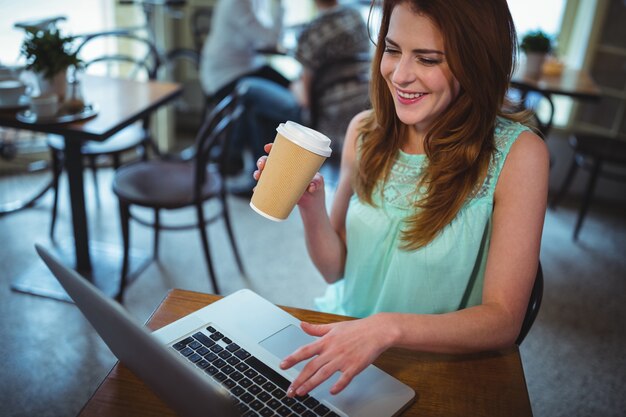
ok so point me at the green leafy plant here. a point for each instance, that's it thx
(48, 52)
(536, 41)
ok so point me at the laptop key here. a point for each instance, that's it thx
(268, 372)
(202, 351)
(195, 344)
(309, 413)
(220, 376)
(279, 393)
(229, 383)
(202, 364)
(260, 380)
(204, 339)
(254, 389)
(321, 410)
(246, 397)
(237, 390)
(266, 412)
(283, 411)
(216, 336)
(274, 403)
(211, 329)
(225, 354)
(180, 345)
(251, 373)
(227, 369)
(299, 408)
(311, 402)
(241, 367)
(211, 370)
(233, 361)
(256, 404)
(216, 348)
(186, 351)
(264, 396)
(242, 354)
(232, 346)
(219, 363)
(194, 358)
(269, 387)
(245, 382)
(236, 375)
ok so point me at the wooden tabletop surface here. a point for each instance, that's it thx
(488, 384)
(119, 102)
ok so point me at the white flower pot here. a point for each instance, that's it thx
(534, 64)
(55, 85)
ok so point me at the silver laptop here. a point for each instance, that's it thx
(223, 360)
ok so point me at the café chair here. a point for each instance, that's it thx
(603, 156)
(539, 105)
(172, 183)
(534, 303)
(339, 90)
(137, 58)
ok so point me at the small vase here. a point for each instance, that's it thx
(534, 64)
(55, 85)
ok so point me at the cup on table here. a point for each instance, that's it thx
(10, 92)
(297, 154)
(45, 105)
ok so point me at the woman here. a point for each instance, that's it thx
(434, 234)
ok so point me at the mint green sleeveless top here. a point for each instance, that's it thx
(444, 276)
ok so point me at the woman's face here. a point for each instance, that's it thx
(415, 68)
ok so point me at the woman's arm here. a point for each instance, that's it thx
(325, 236)
(519, 210)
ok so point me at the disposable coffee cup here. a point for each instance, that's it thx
(297, 154)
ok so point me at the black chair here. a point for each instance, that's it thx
(174, 183)
(540, 106)
(534, 304)
(603, 156)
(339, 90)
(141, 62)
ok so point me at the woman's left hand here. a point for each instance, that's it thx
(348, 347)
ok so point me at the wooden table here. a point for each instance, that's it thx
(488, 384)
(575, 83)
(120, 103)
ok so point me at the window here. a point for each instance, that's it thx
(82, 16)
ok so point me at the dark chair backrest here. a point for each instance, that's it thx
(134, 56)
(534, 304)
(353, 69)
(211, 139)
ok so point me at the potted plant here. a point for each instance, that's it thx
(535, 45)
(49, 54)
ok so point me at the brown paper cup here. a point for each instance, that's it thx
(288, 171)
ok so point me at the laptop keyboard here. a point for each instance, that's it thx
(258, 389)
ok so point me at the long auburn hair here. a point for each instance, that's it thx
(480, 44)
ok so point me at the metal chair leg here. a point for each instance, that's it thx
(231, 235)
(205, 246)
(595, 170)
(57, 169)
(157, 233)
(94, 174)
(125, 223)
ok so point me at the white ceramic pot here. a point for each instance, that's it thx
(57, 85)
(534, 64)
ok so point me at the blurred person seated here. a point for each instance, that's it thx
(239, 29)
(337, 32)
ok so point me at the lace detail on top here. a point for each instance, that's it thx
(401, 189)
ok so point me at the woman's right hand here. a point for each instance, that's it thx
(314, 193)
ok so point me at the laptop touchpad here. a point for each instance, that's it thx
(286, 341)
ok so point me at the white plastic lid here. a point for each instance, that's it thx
(305, 137)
